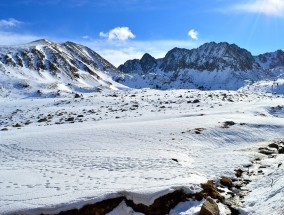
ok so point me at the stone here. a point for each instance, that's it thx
(209, 207)
(17, 125)
(77, 96)
(230, 123)
(266, 152)
(238, 172)
(273, 145)
(209, 189)
(281, 150)
(226, 181)
(42, 120)
(70, 119)
(196, 101)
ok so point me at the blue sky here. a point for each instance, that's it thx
(126, 29)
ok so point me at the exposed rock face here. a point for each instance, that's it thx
(271, 60)
(148, 62)
(161, 205)
(209, 57)
(100, 208)
(211, 66)
(131, 66)
(209, 207)
(145, 65)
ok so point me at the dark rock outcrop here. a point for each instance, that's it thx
(281, 150)
(161, 205)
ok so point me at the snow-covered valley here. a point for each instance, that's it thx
(61, 153)
(76, 138)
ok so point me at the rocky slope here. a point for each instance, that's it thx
(271, 60)
(44, 67)
(211, 66)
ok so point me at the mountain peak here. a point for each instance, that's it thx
(271, 59)
(147, 62)
(147, 56)
(220, 46)
(41, 42)
(147, 59)
(70, 43)
(279, 51)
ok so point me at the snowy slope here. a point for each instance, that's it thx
(69, 152)
(44, 67)
(211, 66)
(271, 60)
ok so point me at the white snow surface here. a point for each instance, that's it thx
(275, 86)
(70, 152)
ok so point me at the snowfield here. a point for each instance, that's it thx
(63, 153)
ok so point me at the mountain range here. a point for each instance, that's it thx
(46, 68)
(211, 66)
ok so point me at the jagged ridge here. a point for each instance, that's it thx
(211, 66)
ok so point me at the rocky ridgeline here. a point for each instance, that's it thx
(208, 57)
(219, 63)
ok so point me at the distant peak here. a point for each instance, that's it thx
(214, 44)
(175, 49)
(72, 44)
(147, 56)
(210, 43)
(69, 42)
(41, 41)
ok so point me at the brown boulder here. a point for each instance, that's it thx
(209, 189)
(225, 181)
(209, 207)
(238, 172)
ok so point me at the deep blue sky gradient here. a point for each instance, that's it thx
(149, 20)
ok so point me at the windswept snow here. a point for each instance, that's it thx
(62, 153)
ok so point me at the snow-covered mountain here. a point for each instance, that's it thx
(47, 68)
(271, 60)
(211, 66)
(44, 67)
